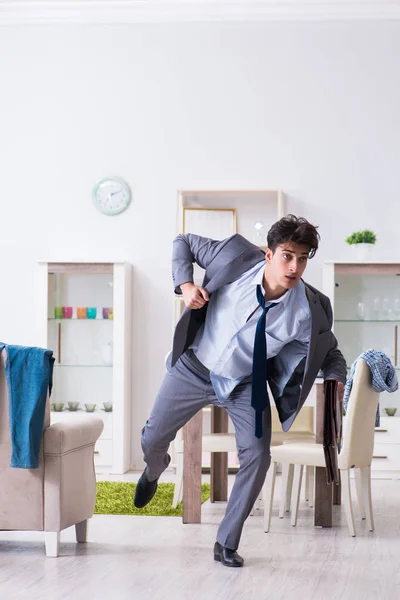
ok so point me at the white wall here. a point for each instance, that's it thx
(312, 108)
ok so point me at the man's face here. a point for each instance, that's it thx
(287, 264)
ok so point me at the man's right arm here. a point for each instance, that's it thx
(188, 249)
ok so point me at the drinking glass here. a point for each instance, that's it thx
(386, 309)
(396, 306)
(361, 311)
(377, 307)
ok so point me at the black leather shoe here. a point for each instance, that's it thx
(229, 558)
(146, 489)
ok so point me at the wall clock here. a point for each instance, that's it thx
(111, 195)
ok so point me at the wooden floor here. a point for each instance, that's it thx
(158, 558)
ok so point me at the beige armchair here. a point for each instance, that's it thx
(62, 491)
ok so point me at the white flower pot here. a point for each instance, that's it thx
(363, 252)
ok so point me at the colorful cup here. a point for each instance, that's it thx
(67, 312)
(111, 313)
(105, 312)
(81, 312)
(58, 312)
(91, 312)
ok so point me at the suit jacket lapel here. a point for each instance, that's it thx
(315, 305)
(318, 321)
(298, 385)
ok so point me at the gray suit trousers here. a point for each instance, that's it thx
(186, 389)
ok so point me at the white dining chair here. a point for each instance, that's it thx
(357, 451)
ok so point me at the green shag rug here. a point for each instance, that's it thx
(116, 498)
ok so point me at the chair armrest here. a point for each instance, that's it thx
(69, 477)
(61, 438)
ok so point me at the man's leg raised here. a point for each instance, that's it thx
(184, 391)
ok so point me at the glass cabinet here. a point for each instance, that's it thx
(87, 315)
(366, 304)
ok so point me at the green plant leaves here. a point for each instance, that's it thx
(362, 237)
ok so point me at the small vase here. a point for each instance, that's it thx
(363, 251)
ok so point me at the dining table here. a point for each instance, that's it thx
(326, 495)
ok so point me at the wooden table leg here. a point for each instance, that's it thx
(219, 460)
(323, 499)
(337, 493)
(323, 491)
(192, 433)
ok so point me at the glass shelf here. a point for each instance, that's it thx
(367, 321)
(385, 416)
(58, 365)
(76, 319)
(81, 410)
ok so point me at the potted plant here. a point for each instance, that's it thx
(363, 242)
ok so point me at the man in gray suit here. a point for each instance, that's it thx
(212, 355)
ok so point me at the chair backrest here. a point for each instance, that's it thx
(303, 423)
(21, 490)
(359, 423)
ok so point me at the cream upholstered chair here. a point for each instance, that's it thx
(302, 430)
(357, 450)
(62, 491)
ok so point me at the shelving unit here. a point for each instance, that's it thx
(365, 299)
(92, 355)
(250, 206)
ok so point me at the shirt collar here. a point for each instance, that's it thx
(257, 280)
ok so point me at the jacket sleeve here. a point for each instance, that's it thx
(334, 365)
(189, 248)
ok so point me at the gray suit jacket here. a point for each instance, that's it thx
(290, 377)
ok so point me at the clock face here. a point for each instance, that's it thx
(111, 195)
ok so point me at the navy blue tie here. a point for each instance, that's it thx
(259, 392)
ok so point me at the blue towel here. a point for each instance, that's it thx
(384, 377)
(29, 374)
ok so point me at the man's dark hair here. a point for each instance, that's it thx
(293, 229)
